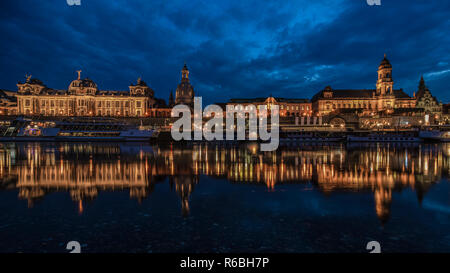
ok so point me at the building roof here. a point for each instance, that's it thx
(7, 94)
(113, 93)
(345, 93)
(292, 100)
(49, 91)
(247, 100)
(422, 88)
(8, 98)
(446, 108)
(399, 94)
(354, 94)
(253, 100)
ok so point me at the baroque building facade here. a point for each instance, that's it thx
(83, 98)
(426, 101)
(383, 98)
(287, 107)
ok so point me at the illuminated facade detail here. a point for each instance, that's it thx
(8, 103)
(383, 98)
(287, 107)
(185, 91)
(426, 101)
(83, 98)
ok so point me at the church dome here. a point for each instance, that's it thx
(36, 81)
(75, 83)
(184, 89)
(184, 92)
(83, 83)
(88, 83)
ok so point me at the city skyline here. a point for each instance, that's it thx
(30, 76)
(291, 51)
(223, 135)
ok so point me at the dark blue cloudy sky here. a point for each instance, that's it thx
(233, 48)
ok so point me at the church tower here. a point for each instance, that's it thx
(385, 83)
(171, 100)
(185, 92)
(426, 101)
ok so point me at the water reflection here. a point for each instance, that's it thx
(82, 169)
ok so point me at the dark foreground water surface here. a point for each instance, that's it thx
(116, 197)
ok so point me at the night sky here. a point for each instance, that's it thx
(234, 49)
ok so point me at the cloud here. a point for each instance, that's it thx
(233, 48)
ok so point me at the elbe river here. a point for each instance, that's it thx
(137, 197)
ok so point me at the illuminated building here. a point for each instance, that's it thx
(8, 103)
(185, 91)
(287, 107)
(427, 102)
(383, 98)
(83, 98)
(342, 106)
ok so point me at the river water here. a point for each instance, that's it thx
(121, 197)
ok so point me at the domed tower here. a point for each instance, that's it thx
(185, 92)
(385, 83)
(82, 87)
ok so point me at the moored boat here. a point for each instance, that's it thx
(384, 136)
(435, 135)
(27, 130)
(306, 137)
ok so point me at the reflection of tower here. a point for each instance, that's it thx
(32, 194)
(383, 200)
(421, 187)
(185, 92)
(141, 192)
(184, 186)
